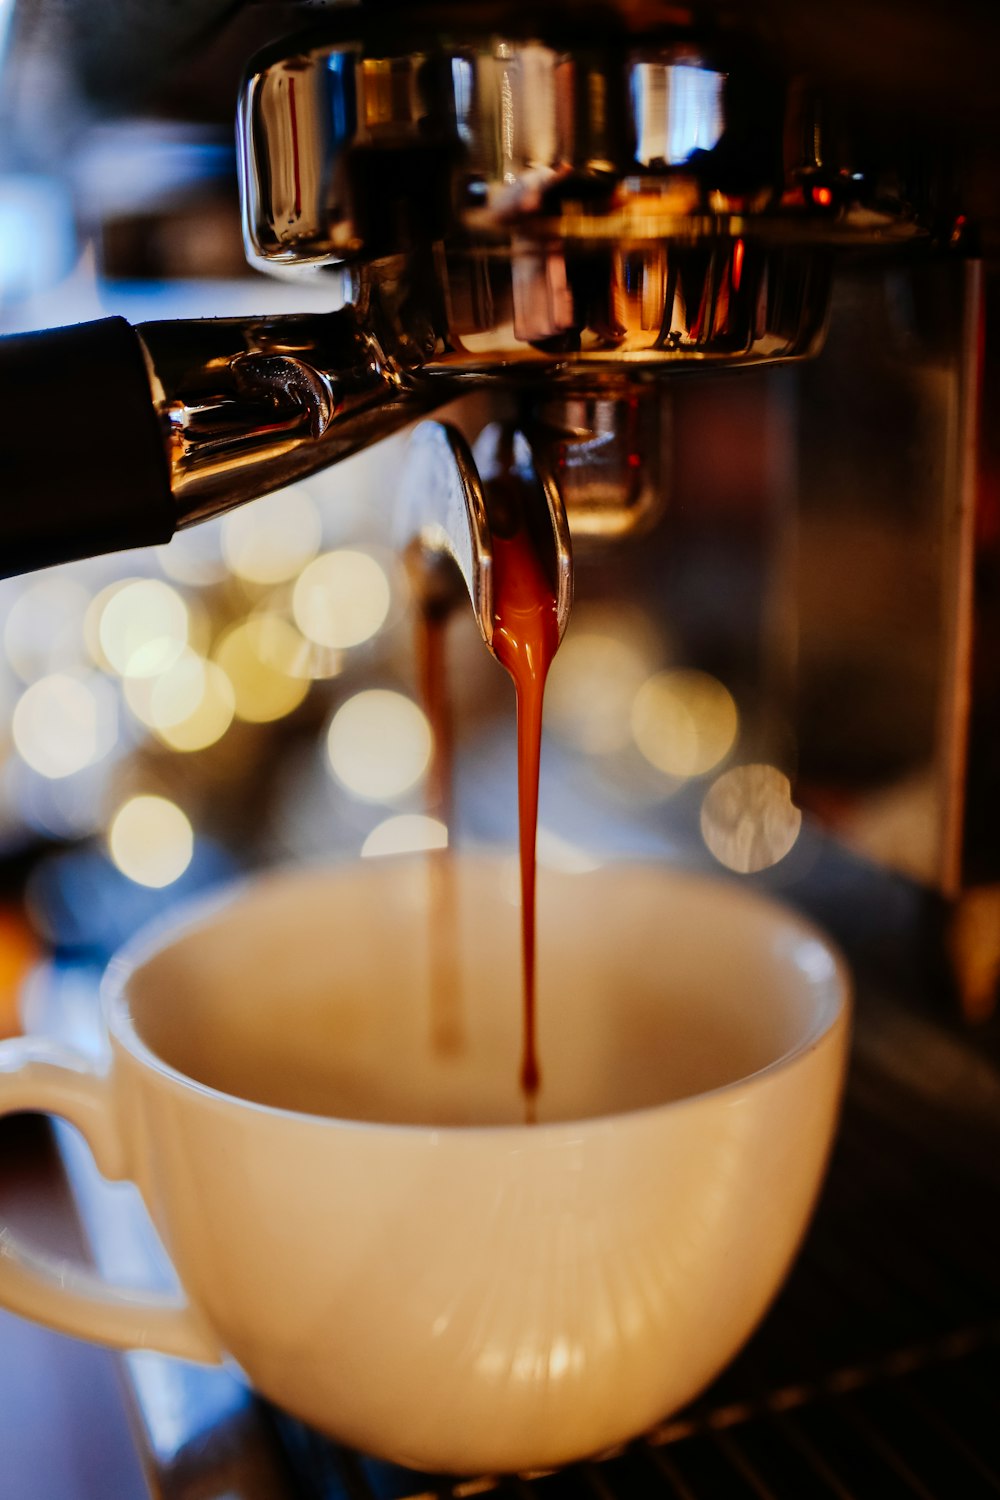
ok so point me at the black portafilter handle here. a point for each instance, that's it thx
(83, 463)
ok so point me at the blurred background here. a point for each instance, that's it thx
(763, 683)
(247, 693)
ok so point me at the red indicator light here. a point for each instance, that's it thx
(822, 196)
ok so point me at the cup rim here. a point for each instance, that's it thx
(836, 991)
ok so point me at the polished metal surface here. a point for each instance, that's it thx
(351, 149)
(508, 209)
(441, 526)
(609, 205)
(251, 405)
(559, 308)
(608, 451)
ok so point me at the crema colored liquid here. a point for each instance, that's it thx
(525, 637)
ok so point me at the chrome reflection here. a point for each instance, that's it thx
(677, 111)
(347, 151)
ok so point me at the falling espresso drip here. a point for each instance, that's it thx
(525, 638)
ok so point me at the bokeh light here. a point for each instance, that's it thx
(341, 599)
(263, 659)
(43, 632)
(72, 807)
(378, 745)
(151, 841)
(684, 722)
(748, 818)
(10, 691)
(142, 627)
(272, 539)
(407, 833)
(189, 706)
(194, 555)
(556, 853)
(62, 724)
(92, 623)
(317, 663)
(593, 682)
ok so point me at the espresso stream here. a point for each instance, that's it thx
(525, 638)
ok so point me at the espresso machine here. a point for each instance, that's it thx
(571, 224)
(567, 215)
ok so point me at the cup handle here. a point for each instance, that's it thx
(36, 1075)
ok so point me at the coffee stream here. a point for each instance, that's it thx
(525, 638)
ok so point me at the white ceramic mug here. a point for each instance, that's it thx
(362, 1220)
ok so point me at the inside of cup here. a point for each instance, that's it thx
(391, 991)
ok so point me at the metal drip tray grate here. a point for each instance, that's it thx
(876, 1375)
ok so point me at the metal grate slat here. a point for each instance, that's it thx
(789, 1468)
(630, 1473)
(733, 1451)
(853, 1413)
(513, 1487)
(665, 1466)
(928, 1441)
(961, 1395)
(571, 1483)
(818, 1464)
(599, 1480)
(707, 1470)
(864, 1470)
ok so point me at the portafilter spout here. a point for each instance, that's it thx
(454, 499)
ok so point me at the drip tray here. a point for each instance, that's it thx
(877, 1373)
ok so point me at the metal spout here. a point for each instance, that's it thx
(450, 508)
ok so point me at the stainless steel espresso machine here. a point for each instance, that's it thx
(569, 211)
(576, 221)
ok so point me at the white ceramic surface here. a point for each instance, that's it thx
(363, 1221)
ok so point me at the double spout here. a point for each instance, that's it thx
(455, 500)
